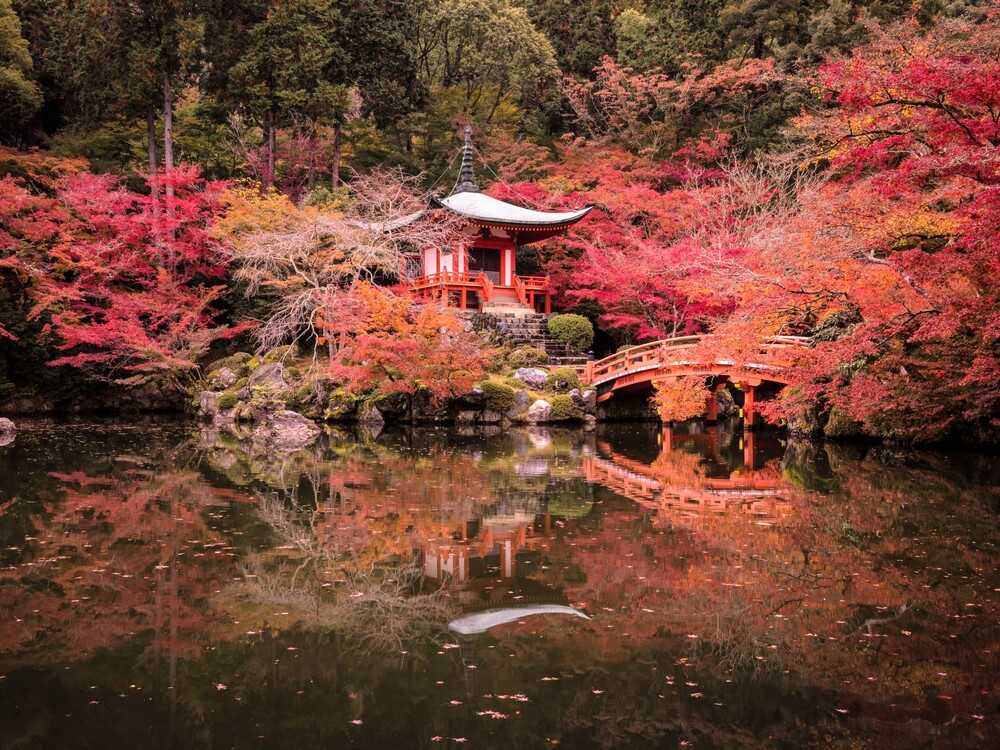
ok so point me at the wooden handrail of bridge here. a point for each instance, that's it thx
(658, 354)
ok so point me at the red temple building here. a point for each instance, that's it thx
(481, 272)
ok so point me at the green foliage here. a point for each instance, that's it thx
(527, 356)
(20, 97)
(238, 363)
(580, 30)
(563, 408)
(575, 330)
(229, 399)
(570, 505)
(563, 379)
(499, 397)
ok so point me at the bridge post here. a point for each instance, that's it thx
(749, 406)
(588, 373)
(749, 454)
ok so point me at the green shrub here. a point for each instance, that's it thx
(563, 379)
(527, 356)
(235, 362)
(498, 396)
(228, 399)
(564, 408)
(574, 330)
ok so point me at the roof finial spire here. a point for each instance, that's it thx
(466, 174)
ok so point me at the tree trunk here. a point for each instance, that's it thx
(338, 131)
(268, 171)
(153, 161)
(168, 132)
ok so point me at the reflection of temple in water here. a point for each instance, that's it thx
(689, 488)
(696, 478)
(490, 546)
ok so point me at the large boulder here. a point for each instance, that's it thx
(540, 411)
(533, 377)
(223, 378)
(368, 414)
(522, 400)
(286, 431)
(585, 400)
(271, 375)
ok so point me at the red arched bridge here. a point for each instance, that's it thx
(640, 367)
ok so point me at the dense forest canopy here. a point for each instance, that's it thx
(826, 168)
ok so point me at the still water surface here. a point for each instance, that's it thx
(162, 587)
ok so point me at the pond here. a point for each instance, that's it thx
(162, 586)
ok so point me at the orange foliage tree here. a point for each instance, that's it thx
(682, 398)
(395, 350)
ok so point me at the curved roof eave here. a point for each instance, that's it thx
(489, 210)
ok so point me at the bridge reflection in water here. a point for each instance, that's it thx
(685, 491)
(700, 476)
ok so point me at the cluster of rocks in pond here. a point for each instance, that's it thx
(278, 405)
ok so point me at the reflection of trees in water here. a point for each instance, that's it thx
(110, 557)
(873, 583)
(337, 581)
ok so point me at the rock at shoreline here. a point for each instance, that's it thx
(287, 431)
(540, 411)
(271, 375)
(8, 431)
(533, 377)
(521, 403)
(585, 401)
(368, 414)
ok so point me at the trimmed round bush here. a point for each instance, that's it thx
(563, 379)
(499, 397)
(574, 330)
(527, 356)
(564, 408)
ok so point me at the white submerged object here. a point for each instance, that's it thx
(480, 622)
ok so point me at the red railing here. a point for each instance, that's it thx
(487, 285)
(442, 278)
(522, 296)
(665, 353)
(534, 283)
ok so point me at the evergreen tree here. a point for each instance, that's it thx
(20, 96)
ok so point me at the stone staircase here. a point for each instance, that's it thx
(527, 328)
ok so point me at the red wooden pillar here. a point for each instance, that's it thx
(548, 303)
(749, 457)
(464, 299)
(749, 406)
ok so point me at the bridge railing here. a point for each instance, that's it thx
(657, 353)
